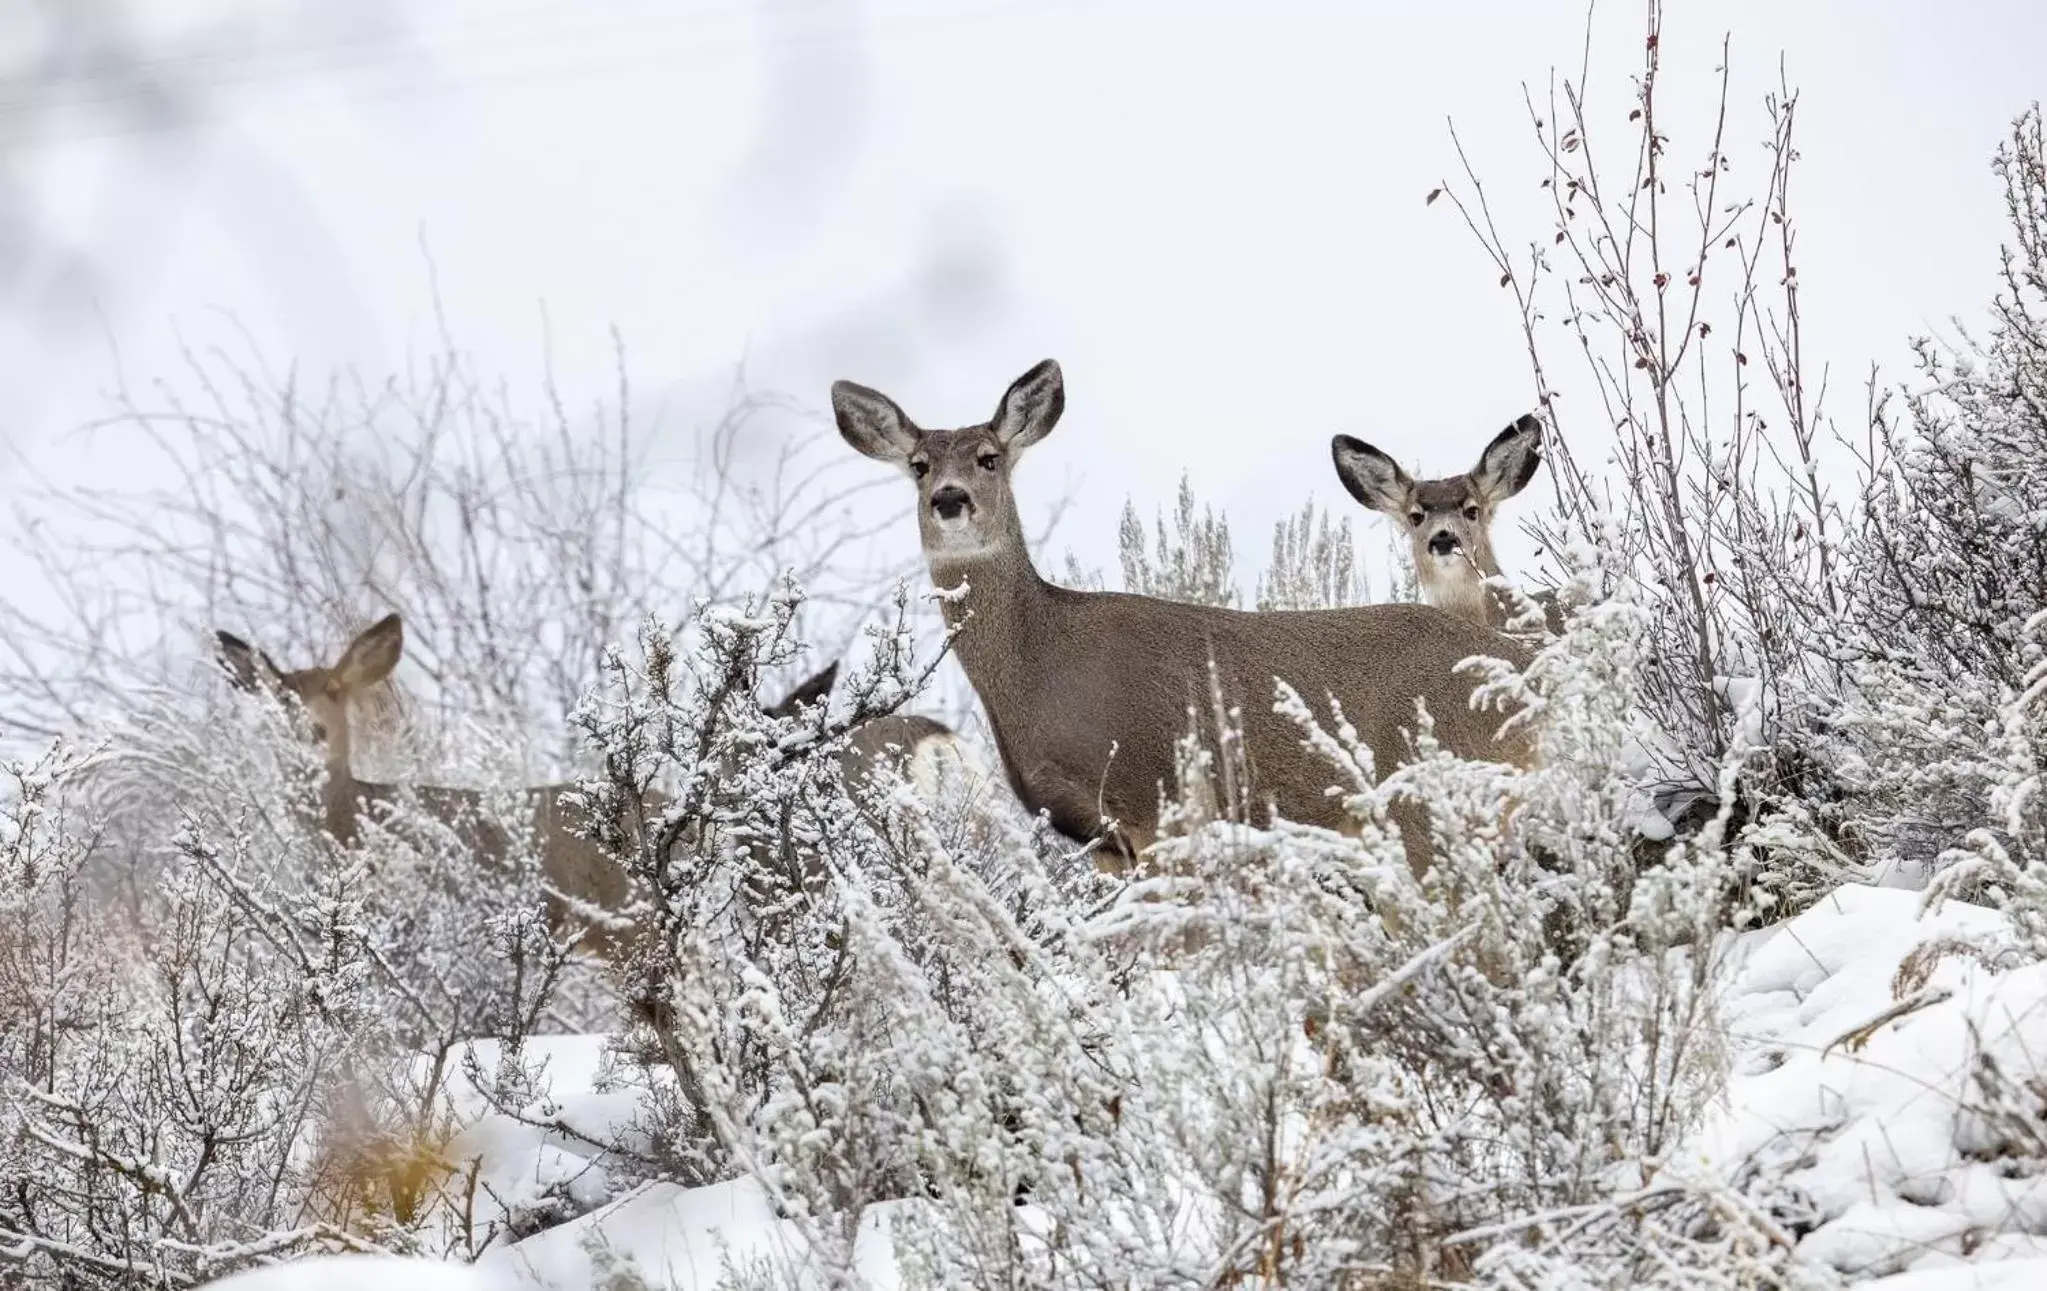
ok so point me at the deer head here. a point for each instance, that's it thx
(965, 510)
(321, 695)
(1448, 522)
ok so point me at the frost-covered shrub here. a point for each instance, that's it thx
(1280, 1055)
(1954, 552)
(228, 1040)
(1661, 306)
(2005, 859)
(162, 1079)
(1194, 564)
(1314, 564)
(813, 956)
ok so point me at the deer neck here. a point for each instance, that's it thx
(1003, 605)
(342, 793)
(1460, 589)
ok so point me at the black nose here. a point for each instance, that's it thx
(950, 501)
(1442, 544)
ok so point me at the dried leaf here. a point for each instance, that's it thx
(1434, 193)
(1636, 115)
(1506, 278)
(1740, 358)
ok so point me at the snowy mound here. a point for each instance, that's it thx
(1885, 1105)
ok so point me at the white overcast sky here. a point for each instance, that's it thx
(1211, 213)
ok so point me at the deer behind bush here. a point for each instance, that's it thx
(1449, 522)
(583, 879)
(579, 874)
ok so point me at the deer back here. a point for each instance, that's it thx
(1087, 732)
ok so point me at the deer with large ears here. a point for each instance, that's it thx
(576, 868)
(1087, 692)
(578, 871)
(1449, 521)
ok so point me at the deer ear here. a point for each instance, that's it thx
(371, 657)
(1372, 477)
(870, 421)
(1031, 407)
(1509, 462)
(247, 668)
(812, 691)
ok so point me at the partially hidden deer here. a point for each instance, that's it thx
(1449, 521)
(915, 745)
(580, 874)
(1087, 693)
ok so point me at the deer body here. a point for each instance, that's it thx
(1449, 521)
(578, 871)
(1087, 693)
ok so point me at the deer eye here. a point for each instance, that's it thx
(989, 461)
(1415, 518)
(920, 468)
(1470, 512)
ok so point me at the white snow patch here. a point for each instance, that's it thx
(355, 1272)
(1855, 1110)
(684, 1238)
(549, 1158)
(2005, 1275)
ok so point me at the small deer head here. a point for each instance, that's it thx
(965, 509)
(321, 694)
(1448, 522)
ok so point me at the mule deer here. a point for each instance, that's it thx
(1087, 693)
(1449, 522)
(578, 872)
(574, 867)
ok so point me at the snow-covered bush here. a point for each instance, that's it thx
(1282, 1056)
(1194, 563)
(1660, 304)
(807, 948)
(230, 1041)
(1954, 554)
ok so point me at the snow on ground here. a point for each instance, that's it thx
(355, 1272)
(2005, 1275)
(1853, 1114)
(1853, 1109)
(677, 1237)
(684, 1238)
(548, 1162)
